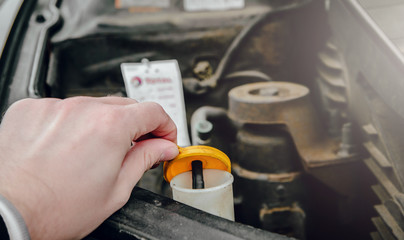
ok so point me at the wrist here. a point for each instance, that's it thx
(26, 204)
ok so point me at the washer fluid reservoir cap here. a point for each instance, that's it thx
(210, 157)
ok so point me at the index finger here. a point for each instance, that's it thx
(150, 117)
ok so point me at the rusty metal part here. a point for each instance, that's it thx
(265, 44)
(265, 157)
(266, 149)
(203, 70)
(270, 177)
(199, 87)
(291, 107)
(294, 208)
(274, 218)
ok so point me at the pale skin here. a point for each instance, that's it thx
(68, 164)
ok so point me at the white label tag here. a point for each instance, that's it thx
(160, 82)
(212, 5)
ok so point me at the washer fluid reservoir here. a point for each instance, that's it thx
(200, 177)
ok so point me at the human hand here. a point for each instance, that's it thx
(68, 164)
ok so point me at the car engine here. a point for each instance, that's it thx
(304, 96)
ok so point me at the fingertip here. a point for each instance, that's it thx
(170, 152)
(142, 157)
(150, 117)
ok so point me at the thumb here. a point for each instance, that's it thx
(141, 157)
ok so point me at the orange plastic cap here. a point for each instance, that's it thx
(210, 157)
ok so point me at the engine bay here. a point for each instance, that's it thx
(276, 85)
